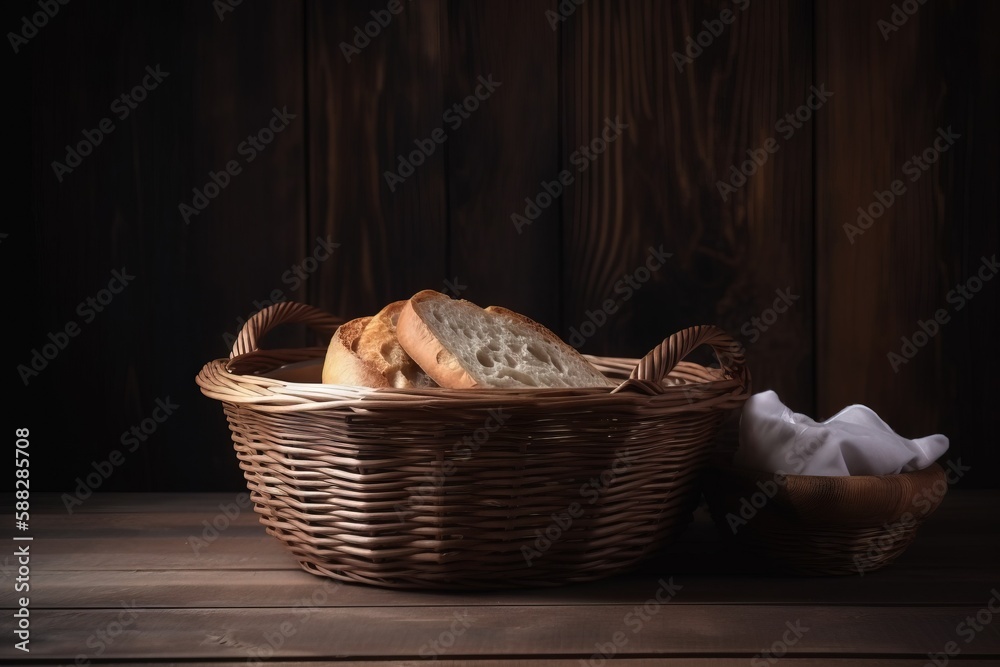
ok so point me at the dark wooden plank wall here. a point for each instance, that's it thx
(886, 279)
(688, 123)
(449, 225)
(363, 113)
(194, 282)
(503, 152)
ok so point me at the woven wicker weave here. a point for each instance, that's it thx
(481, 488)
(811, 525)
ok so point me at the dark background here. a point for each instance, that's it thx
(323, 177)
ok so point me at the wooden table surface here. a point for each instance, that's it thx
(139, 579)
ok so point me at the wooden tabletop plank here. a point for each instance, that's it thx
(161, 553)
(134, 503)
(264, 552)
(184, 541)
(563, 632)
(285, 588)
(575, 662)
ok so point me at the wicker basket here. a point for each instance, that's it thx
(810, 525)
(483, 488)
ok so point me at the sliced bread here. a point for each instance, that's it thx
(342, 365)
(461, 345)
(364, 352)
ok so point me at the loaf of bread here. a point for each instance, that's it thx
(366, 353)
(461, 345)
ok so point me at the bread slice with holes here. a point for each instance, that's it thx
(365, 353)
(461, 345)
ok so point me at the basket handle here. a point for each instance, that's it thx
(283, 312)
(651, 369)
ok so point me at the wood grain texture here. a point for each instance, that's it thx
(496, 632)
(223, 587)
(119, 208)
(619, 662)
(205, 607)
(147, 547)
(502, 153)
(364, 114)
(657, 184)
(895, 97)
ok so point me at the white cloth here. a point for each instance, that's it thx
(855, 441)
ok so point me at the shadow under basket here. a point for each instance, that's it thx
(474, 488)
(812, 525)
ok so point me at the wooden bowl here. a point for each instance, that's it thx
(811, 525)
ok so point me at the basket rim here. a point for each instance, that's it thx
(836, 500)
(694, 387)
